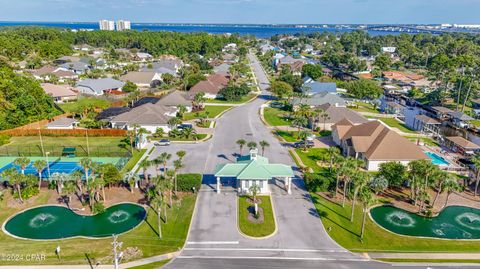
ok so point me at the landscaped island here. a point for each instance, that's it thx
(256, 225)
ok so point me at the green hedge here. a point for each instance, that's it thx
(185, 182)
(320, 182)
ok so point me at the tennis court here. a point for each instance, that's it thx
(60, 165)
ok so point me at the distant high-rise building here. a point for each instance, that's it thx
(123, 25)
(107, 25)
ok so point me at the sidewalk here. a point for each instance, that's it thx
(86, 266)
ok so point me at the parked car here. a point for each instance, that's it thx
(277, 105)
(185, 126)
(301, 144)
(163, 142)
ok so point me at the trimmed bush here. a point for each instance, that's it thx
(185, 182)
(320, 182)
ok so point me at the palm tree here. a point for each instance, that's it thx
(181, 110)
(23, 162)
(439, 178)
(144, 165)
(304, 135)
(332, 153)
(14, 179)
(188, 132)
(324, 116)
(131, 136)
(254, 190)
(77, 177)
(39, 165)
(69, 189)
(163, 158)
(157, 203)
(173, 122)
(367, 199)
(360, 180)
(263, 144)
(157, 162)
(86, 163)
(347, 169)
(251, 145)
(451, 185)
(131, 182)
(241, 143)
(177, 164)
(300, 122)
(476, 162)
(339, 173)
(181, 154)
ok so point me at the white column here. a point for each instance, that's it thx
(218, 184)
(289, 179)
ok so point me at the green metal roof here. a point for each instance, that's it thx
(258, 168)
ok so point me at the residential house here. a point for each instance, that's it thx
(319, 99)
(461, 145)
(142, 57)
(441, 112)
(266, 48)
(374, 143)
(388, 49)
(148, 116)
(211, 86)
(76, 67)
(460, 119)
(222, 69)
(296, 68)
(230, 58)
(62, 124)
(48, 72)
(426, 125)
(334, 114)
(99, 86)
(394, 108)
(175, 99)
(315, 87)
(60, 93)
(164, 66)
(66, 59)
(143, 79)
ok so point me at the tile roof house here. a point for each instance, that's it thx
(335, 114)
(48, 71)
(143, 79)
(149, 116)
(211, 86)
(374, 143)
(60, 93)
(99, 86)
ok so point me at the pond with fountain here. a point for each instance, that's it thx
(453, 222)
(55, 222)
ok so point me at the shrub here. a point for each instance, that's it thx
(320, 182)
(185, 182)
(98, 208)
(4, 139)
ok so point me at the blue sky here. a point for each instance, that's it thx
(245, 11)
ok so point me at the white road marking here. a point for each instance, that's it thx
(269, 258)
(213, 243)
(272, 249)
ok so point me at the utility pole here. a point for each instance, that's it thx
(117, 254)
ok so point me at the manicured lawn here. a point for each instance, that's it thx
(152, 265)
(212, 110)
(198, 137)
(134, 160)
(275, 116)
(74, 251)
(425, 140)
(395, 124)
(364, 107)
(242, 100)
(476, 123)
(291, 136)
(98, 146)
(256, 229)
(376, 239)
(311, 157)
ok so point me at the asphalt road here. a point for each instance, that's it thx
(214, 241)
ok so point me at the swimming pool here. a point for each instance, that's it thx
(437, 160)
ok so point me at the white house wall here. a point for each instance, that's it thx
(375, 165)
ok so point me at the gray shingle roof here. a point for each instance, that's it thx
(318, 87)
(320, 99)
(77, 66)
(175, 98)
(98, 86)
(147, 114)
(61, 122)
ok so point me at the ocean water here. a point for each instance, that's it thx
(260, 31)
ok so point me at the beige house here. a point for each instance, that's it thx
(60, 93)
(374, 143)
(143, 79)
(334, 114)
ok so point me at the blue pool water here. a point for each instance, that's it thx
(54, 167)
(437, 160)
